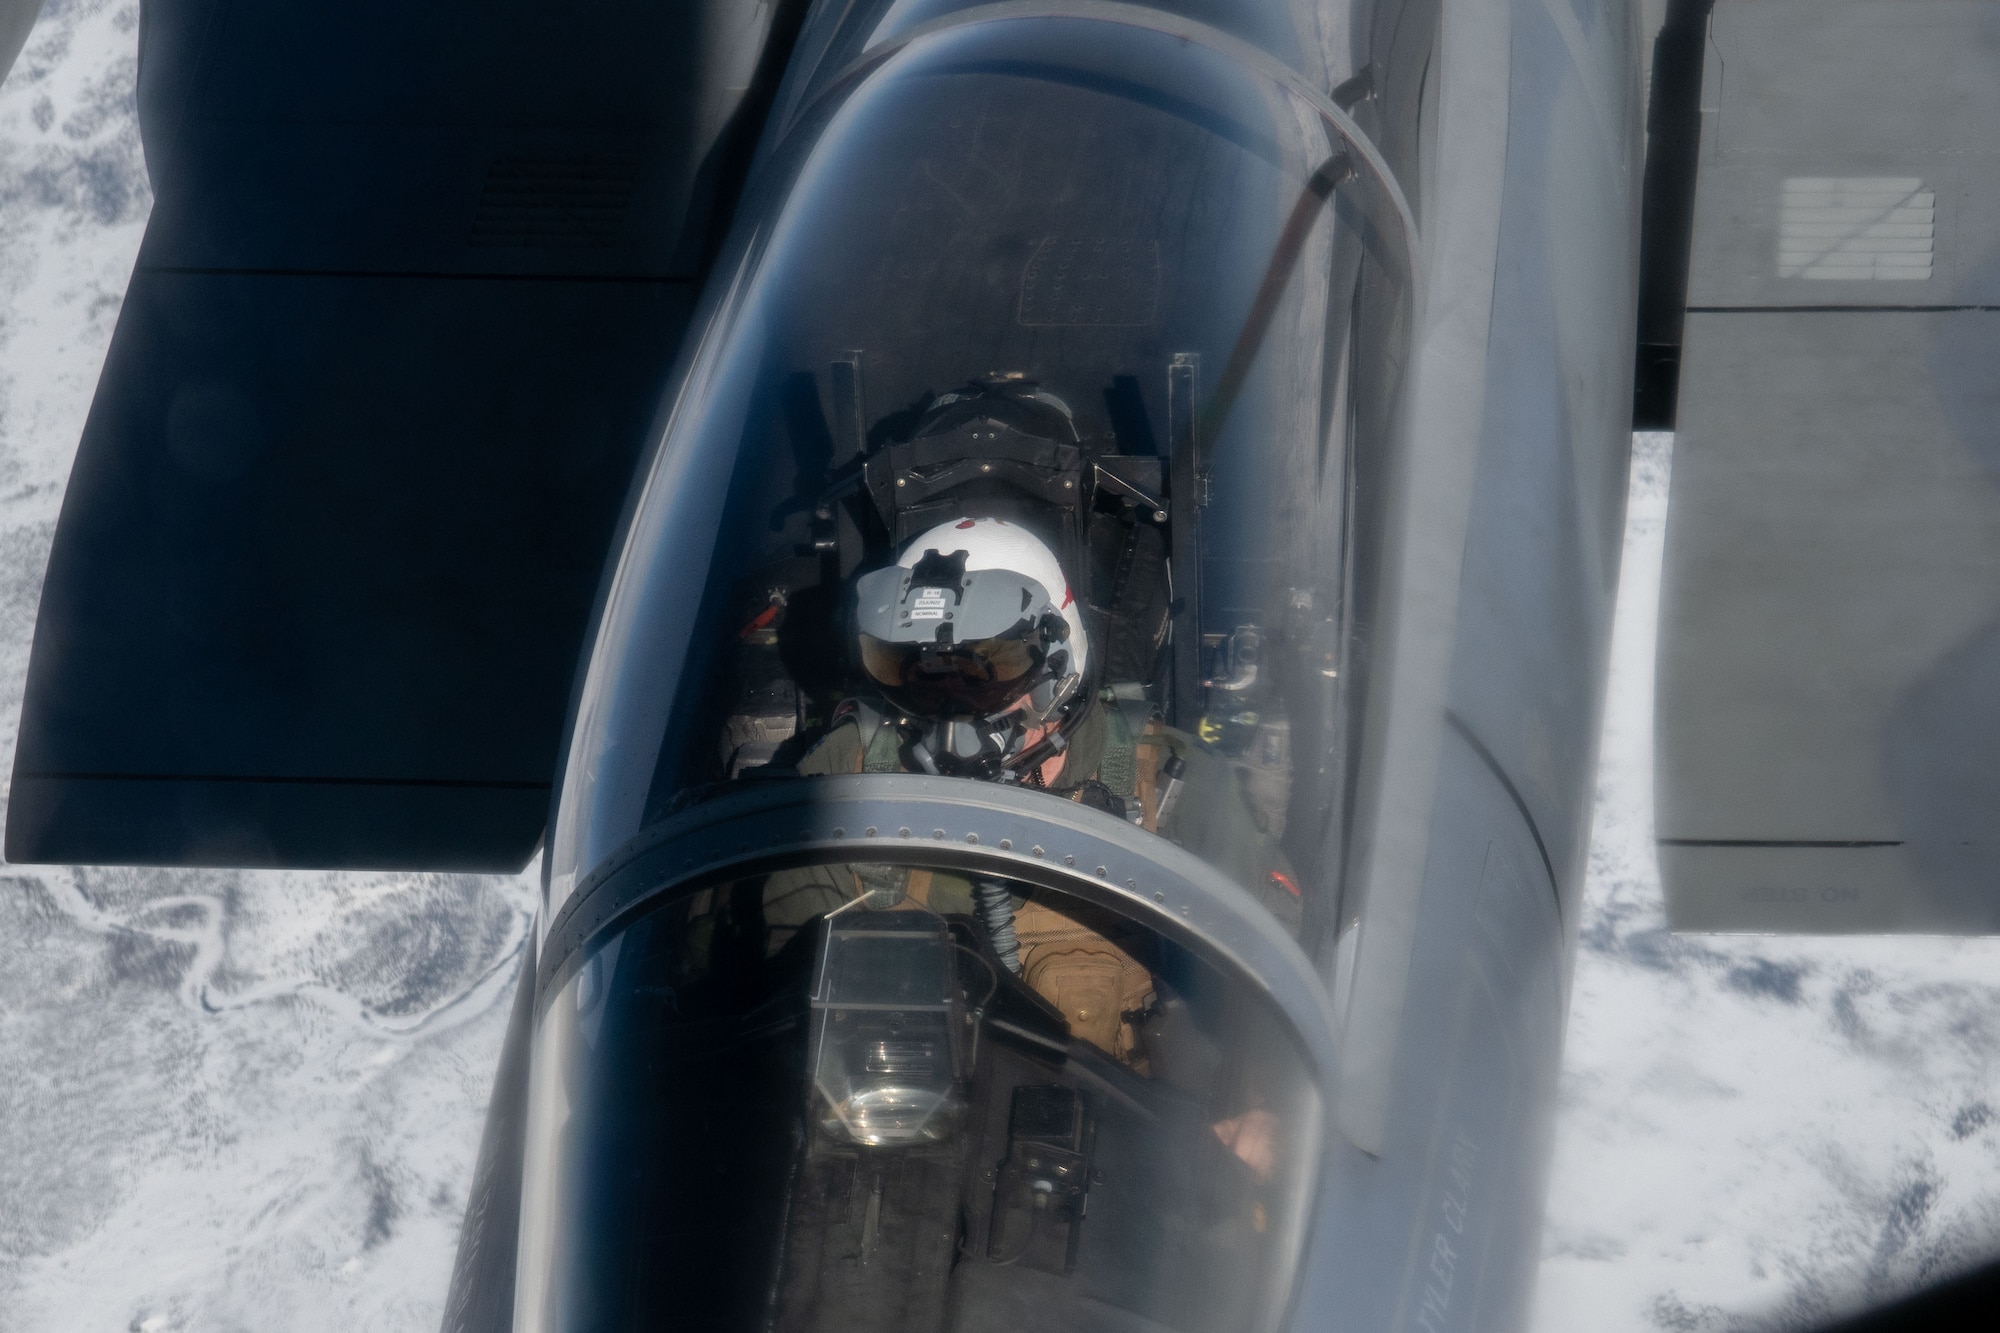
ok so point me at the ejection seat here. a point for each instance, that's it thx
(1002, 446)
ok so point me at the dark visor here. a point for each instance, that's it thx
(979, 676)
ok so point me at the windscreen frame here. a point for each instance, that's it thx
(952, 824)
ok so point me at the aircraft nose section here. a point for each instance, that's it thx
(783, 1073)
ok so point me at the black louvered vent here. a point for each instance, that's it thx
(554, 202)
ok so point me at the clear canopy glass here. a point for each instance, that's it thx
(1119, 289)
(1028, 444)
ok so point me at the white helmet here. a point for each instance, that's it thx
(975, 629)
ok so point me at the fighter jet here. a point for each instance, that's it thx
(1038, 576)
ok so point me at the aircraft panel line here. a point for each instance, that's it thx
(1486, 756)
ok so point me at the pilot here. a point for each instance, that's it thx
(979, 661)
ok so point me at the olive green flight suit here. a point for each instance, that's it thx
(1076, 964)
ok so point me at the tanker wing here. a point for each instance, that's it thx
(405, 308)
(1828, 718)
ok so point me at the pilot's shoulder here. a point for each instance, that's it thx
(840, 747)
(835, 752)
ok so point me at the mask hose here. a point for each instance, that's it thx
(996, 910)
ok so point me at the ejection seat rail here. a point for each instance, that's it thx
(952, 824)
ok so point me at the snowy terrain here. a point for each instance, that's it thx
(1755, 1132)
(237, 1101)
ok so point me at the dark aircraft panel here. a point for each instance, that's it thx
(384, 136)
(1828, 680)
(313, 520)
(405, 309)
(542, 203)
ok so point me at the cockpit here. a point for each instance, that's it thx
(817, 1099)
(1083, 280)
(965, 749)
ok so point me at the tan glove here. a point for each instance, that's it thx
(1085, 975)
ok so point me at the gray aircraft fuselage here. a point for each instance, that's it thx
(1485, 388)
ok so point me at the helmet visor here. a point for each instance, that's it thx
(981, 676)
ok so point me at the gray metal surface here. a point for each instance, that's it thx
(1431, 490)
(1505, 551)
(1829, 661)
(16, 18)
(1456, 1056)
(1832, 586)
(1440, 1247)
(1889, 104)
